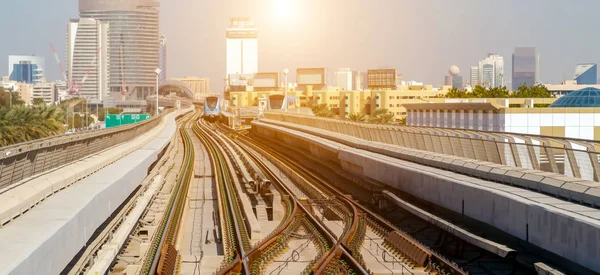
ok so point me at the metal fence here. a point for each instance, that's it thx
(27, 159)
(571, 157)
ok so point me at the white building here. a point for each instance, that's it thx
(343, 79)
(242, 47)
(88, 58)
(490, 71)
(45, 91)
(39, 61)
(474, 81)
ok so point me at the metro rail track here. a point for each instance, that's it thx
(408, 248)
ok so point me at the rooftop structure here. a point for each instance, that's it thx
(586, 97)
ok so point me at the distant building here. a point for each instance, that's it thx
(525, 70)
(88, 69)
(343, 79)
(457, 82)
(162, 53)
(45, 91)
(25, 68)
(133, 49)
(474, 81)
(448, 80)
(242, 47)
(24, 89)
(382, 79)
(586, 74)
(567, 87)
(491, 71)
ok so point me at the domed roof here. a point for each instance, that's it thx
(586, 97)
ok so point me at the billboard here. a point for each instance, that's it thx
(311, 76)
(266, 81)
(124, 119)
(381, 79)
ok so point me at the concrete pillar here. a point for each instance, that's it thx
(453, 119)
(480, 121)
(490, 121)
(438, 118)
(461, 119)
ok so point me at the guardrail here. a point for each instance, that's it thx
(571, 157)
(23, 160)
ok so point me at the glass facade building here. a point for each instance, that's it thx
(586, 74)
(134, 43)
(24, 72)
(457, 82)
(524, 67)
(587, 97)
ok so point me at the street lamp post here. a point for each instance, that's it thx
(285, 96)
(157, 71)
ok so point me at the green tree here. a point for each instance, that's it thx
(381, 116)
(322, 110)
(536, 91)
(21, 124)
(456, 93)
(39, 102)
(357, 117)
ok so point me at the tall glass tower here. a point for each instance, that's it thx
(524, 67)
(134, 43)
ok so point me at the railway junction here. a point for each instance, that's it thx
(295, 194)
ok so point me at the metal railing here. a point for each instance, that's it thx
(20, 161)
(571, 157)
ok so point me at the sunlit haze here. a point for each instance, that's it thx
(419, 38)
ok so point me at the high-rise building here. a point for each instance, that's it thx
(88, 70)
(242, 47)
(474, 76)
(134, 47)
(162, 77)
(343, 79)
(524, 67)
(491, 71)
(26, 68)
(586, 74)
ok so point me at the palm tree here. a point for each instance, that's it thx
(382, 116)
(357, 117)
(20, 124)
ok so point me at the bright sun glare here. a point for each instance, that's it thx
(283, 8)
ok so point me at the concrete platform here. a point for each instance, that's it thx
(559, 226)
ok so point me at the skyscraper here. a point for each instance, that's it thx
(134, 47)
(87, 58)
(29, 69)
(343, 79)
(491, 71)
(242, 47)
(474, 76)
(524, 67)
(163, 58)
(586, 74)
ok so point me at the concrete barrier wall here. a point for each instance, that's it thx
(519, 212)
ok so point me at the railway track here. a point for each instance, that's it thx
(359, 219)
(162, 255)
(516, 257)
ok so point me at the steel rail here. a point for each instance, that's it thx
(168, 227)
(375, 218)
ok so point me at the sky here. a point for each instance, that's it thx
(420, 38)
